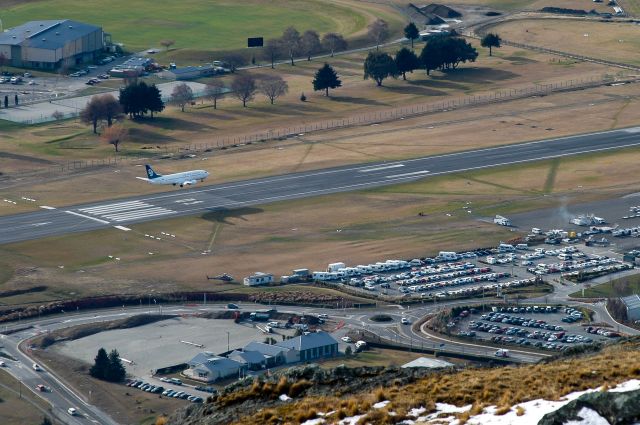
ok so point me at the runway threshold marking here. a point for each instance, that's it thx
(416, 173)
(45, 207)
(86, 216)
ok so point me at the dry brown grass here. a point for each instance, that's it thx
(502, 387)
(603, 40)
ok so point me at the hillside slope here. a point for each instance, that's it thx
(391, 396)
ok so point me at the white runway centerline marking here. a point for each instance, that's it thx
(416, 173)
(368, 170)
(87, 217)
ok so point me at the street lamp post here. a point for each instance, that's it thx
(228, 349)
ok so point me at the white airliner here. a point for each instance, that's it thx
(183, 179)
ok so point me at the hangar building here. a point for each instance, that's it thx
(51, 44)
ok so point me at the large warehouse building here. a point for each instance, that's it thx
(632, 303)
(51, 44)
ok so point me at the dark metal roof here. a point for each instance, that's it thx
(310, 341)
(50, 34)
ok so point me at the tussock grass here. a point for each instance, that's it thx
(503, 387)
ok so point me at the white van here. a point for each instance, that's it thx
(564, 256)
(522, 246)
(448, 255)
(334, 267)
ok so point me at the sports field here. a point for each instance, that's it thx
(198, 25)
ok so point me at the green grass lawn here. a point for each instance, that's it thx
(616, 288)
(193, 24)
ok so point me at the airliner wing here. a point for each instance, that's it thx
(143, 178)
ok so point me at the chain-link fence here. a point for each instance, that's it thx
(388, 115)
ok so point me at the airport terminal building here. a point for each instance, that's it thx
(51, 44)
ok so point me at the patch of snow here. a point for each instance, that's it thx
(408, 422)
(417, 411)
(351, 420)
(631, 385)
(589, 417)
(381, 404)
(284, 397)
(316, 421)
(534, 410)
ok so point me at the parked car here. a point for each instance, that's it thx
(346, 339)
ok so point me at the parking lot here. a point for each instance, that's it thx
(165, 343)
(553, 328)
(473, 273)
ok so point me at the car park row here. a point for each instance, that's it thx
(157, 389)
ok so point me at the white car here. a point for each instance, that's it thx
(36, 367)
(346, 339)
(405, 321)
(2, 364)
(72, 411)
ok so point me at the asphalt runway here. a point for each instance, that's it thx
(50, 221)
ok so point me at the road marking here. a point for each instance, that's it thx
(131, 215)
(126, 229)
(47, 207)
(86, 216)
(417, 173)
(368, 170)
(125, 206)
(41, 224)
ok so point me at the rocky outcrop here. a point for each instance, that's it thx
(616, 408)
(340, 380)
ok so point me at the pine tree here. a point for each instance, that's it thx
(100, 365)
(115, 371)
(411, 32)
(326, 78)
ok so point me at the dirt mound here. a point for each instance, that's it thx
(440, 10)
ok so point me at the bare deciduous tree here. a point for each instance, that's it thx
(378, 31)
(291, 41)
(244, 88)
(273, 87)
(93, 113)
(111, 108)
(215, 91)
(334, 42)
(234, 61)
(272, 50)
(167, 43)
(310, 43)
(57, 115)
(115, 135)
(182, 95)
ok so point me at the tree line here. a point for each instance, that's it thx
(440, 52)
(108, 367)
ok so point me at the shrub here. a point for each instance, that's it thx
(298, 387)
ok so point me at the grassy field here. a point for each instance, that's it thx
(201, 124)
(199, 26)
(613, 41)
(616, 288)
(19, 406)
(357, 228)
